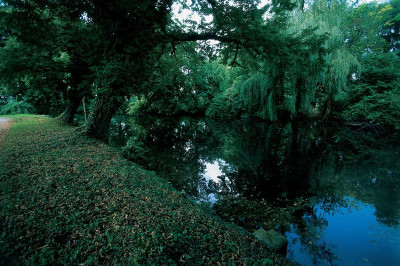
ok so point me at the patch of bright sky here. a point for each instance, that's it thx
(181, 14)
(368, 1)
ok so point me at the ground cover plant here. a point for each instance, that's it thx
(68, 199)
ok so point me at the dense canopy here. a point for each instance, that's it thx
(276, 60)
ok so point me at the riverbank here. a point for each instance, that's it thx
(67, 199)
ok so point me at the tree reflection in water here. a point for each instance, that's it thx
(270, 175)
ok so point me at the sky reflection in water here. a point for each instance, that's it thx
(355, 236)
(333, 191)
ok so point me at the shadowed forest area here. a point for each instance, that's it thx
(280, 115)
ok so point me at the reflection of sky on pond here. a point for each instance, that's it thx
(218, 161)
(211, 173)
(355, 236)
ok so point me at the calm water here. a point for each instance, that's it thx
(333, 191)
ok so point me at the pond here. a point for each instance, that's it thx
(332, 190)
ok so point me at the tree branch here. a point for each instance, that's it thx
(193, 36)
(214, 9)
(236, 54)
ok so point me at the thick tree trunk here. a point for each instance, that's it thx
(70, 110)
(104, 108)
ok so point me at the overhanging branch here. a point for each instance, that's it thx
(193, 36)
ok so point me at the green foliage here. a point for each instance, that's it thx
(43, 57)
(226, 104)
(391, 29)
(183, 83)
(375, 95)
(12, 108)
(379, 108)
(295, 61)
(68, 199)
(135, 107)
(257, 94)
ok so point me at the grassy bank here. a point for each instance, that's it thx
(67, 199)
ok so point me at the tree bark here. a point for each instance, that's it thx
(84, 109)
(299, 95)
(70, 110)
(104, 108)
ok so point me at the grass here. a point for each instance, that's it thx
(22, 116)
(68, 199)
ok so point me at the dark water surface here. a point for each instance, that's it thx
(333, 191)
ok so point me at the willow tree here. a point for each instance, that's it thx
(327, 77)
(257, 94)
(277, 74)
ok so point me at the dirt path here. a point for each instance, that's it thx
(5, 124)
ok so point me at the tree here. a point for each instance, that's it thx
(391, 27)
(375, 94)
(113, 50)
(43, 54)
(183, 82)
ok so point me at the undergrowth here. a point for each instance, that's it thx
(68, 199)
(12, 108)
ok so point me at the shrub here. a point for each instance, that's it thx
(136, 106)
(13, 108)
(226, 104)
(379, 108)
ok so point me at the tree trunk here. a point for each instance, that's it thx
(104, 108)
(328, 108)
(70, 110)
(297, 104)
(299, 94)
(302, 2)
(84, 109)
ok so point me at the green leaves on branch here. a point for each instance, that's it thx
(257, 94)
